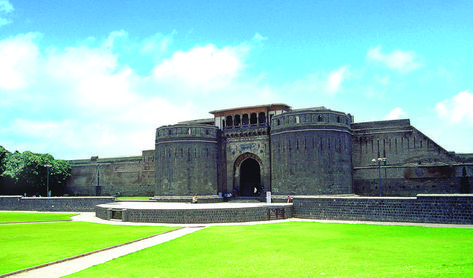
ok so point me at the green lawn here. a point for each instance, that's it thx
(8, 217)
(26, 245)
(302, 249)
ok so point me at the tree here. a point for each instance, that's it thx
(26, 173)
(4, 154)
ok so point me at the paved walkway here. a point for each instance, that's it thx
(82, 262)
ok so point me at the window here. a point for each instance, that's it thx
(237, 120)
(253, 119)
(262, 118)
(229, 121)
(245, 120)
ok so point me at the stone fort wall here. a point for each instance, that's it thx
(414, 163)
(299, 152)
(126, 176)
(311, 153)
(425, 208)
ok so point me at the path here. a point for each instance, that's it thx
(80, 263)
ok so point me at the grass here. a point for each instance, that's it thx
(9, 217)
(302, 249)
(27, 245)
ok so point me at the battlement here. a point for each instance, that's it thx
(318, 117)
(186, 131)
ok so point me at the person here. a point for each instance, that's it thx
(289, 200)
(194, 199)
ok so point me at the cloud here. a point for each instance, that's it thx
(19, 57)
(203, 68)
(83, 99)
(321, 82)
(5, 8)
(395, 114)
(335, 79)
(458, 109)
(156, 45)
(112, 39)
(401, 61)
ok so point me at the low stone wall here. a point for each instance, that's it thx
(52, 203)
(188, 199)
(196, 216)
(425, 208)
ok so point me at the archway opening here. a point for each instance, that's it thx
(250, 178)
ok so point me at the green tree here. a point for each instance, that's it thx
(26, 173)
(4, 154)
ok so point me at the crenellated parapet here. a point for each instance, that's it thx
(180, 132)
(318, 118)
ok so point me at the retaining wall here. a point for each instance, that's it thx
(425, 208)
(52, 203)
(196, 216)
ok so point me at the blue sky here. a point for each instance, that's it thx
(85, 78)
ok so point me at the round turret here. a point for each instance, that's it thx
(187, 159)
(311, 152)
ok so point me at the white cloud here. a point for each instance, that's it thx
(258, 39)
(113, 38)
(5, 8)
(79, 62)
(321, 82)
(156, 45)
(19, 58)
(402, 61)
(458, 109)
(335, 79)
(395, 114)
(81, 99)
(204, 68)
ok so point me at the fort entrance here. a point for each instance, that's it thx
(250, 177)
(247, 174)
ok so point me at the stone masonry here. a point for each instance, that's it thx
(272, 147)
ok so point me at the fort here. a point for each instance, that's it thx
(247, 151)
(331, 166)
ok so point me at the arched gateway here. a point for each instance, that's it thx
(247, 175)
